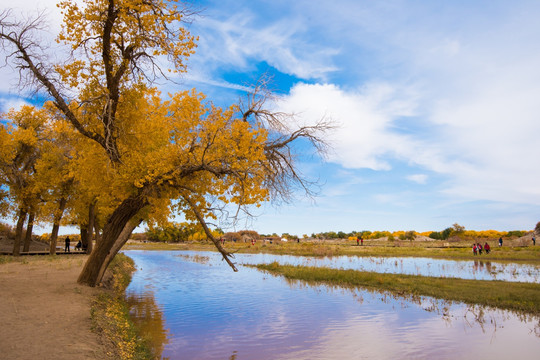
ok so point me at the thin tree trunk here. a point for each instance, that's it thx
(18, 233)
(90, 229)
(96, 264)
(56, 226)
(84, 236)
(28, 237)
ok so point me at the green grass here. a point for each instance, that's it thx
(4, 259)
(520, 297)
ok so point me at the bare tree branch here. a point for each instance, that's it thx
(281, 171)
(19, 35)
(226, 255)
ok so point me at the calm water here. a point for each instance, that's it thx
(196, 307)
(477, 268)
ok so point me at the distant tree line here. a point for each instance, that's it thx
(182, 232)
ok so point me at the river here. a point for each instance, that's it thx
(195, 307)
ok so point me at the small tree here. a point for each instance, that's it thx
(458, 228)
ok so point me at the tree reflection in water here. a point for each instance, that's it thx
(149, 319)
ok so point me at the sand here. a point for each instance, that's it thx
(44, 313)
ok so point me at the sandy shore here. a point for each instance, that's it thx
(45, 313)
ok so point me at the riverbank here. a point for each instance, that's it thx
(372, 248)
(519, 297)
(47, 315)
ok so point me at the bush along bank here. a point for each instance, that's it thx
(110, 315)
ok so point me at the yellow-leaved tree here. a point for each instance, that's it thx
(20, 141)
(144, 155)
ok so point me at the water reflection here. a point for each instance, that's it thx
(214, 313)
(149, 318)
(464, 269)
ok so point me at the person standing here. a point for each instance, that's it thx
(66, 248)
(534, 240)
(500, 241)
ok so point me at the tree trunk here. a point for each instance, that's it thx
(122, 239)
(97, 233)
(84, 236)
(18, 233)
(28, 237)
(90, 230)
(56, 226)
(97, 263)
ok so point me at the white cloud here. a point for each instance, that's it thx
(11, 103)
(418, 178)
(365, 136)
(240, 40)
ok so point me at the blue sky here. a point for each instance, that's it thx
(437, 102)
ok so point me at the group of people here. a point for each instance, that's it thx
(80, 246)
(477, 248)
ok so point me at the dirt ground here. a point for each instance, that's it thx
(44, 313)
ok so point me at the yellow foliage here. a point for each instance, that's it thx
(137, 27)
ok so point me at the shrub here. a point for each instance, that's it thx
(7, 230)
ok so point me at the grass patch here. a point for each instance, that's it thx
(110, 314)
(4, 259)
(519, 297)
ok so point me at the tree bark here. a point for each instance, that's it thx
(56, 226)
(28, 237)
(97, 263)
(18, 233)
(122, 239)
(90, 229)
(97, 233)
(84, 236)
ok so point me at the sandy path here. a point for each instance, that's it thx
(44, 313)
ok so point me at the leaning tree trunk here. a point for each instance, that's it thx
(18, 233)
(122, 239)
(56, 226)
(97, 263)
(28, 237)
(97, 233)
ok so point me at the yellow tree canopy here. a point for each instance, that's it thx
(20, 142)
(143, 154)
